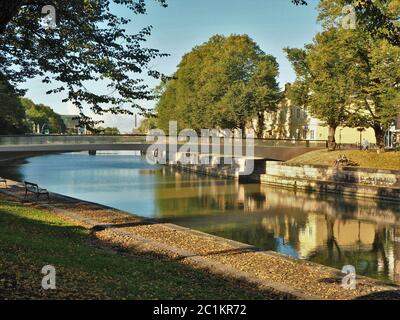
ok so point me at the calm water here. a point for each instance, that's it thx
(330, 230)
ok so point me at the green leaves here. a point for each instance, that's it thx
(90, 44)
(378, 18)
(349, 77)
(223, 83)
(12, 113)
(42, 115)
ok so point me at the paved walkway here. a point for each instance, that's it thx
(263, 270)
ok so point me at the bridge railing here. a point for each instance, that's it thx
(69, 139)
(290, 143)
(18, 140)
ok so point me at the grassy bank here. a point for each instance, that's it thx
(364, 159)
(31, 238)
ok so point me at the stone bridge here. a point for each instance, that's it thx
(271, 149)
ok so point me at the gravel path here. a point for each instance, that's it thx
(296, 278)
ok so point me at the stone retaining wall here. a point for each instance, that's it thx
(369, 183)
(217, 166)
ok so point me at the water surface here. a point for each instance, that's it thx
(330, 230)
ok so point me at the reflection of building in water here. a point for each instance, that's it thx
(326, 229)
(350, 233)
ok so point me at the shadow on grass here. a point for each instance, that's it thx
(384, 295)
(89, 268)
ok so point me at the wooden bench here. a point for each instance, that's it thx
(2, 180)
(35, 189)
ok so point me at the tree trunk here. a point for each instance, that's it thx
(243, 130)
(331, 138)
(261, 125)
(8, 9)
(380, 137)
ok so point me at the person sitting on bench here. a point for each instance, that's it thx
(35, 189)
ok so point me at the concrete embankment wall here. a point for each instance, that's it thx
(367, 183)
(349, 181)
(220, 166)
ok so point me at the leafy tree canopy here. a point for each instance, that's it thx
(348, 77)
(379, 18)
(147, 124)
(109, 131)
(12, 113)
(89, 44)
(223, 83)
(42, 115)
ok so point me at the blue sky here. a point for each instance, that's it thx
(273, 24)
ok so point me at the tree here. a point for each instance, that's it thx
(12, 113)
(223, 83)
(235, 107)
(355, 75)
(44, 116)
(379, 18)
(377, 94)
(147, 124)
(322, 83)
(265, 88)
(88, 45)
(373, 68)
(108, 131)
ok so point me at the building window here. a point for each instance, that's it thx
(312, 135)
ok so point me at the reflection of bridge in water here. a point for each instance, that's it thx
(272, 149)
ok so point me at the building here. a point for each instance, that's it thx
(396, 133)
(293, 122)
(72, 124)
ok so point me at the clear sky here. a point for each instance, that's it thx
(273, 24)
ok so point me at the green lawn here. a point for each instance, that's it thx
(31, 238)
(364, 159)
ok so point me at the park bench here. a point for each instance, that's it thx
(2, 180)
(35, 189)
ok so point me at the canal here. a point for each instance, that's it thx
(326, 229)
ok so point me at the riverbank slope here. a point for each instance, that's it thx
(364, 159)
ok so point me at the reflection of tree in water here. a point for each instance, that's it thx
(331, 242)
(367, 261)
(190, 194)
(253, 234)
(269, 217)
(265, 232)
(378, 247)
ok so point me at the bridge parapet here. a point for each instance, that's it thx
(17, 140)
(272, 149)
(69, 139)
